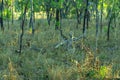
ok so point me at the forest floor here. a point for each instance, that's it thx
(40, 60)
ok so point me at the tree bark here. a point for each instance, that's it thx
(108, 31)
(101, 16)
(31, 24)
(97, 18)
(57, 18)
(97, 25)
(22, 26)
(12, 12)
(1, 18)
(85, 22)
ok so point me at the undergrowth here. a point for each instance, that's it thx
(39, 59)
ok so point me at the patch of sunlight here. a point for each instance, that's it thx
(40, 15)
(105, 72)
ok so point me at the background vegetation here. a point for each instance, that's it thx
(59, 39)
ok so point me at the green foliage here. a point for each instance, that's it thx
(7, 14)
(50, 63)
(103, 71)
(91, 73)
(67, 6)
(41, 61)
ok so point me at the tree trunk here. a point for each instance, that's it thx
(1, 18)
(97, 25)
(87, 14)
(49, 15)
(101, 17)
(31, 23)
(108, 31)
(12, 12)
(85, 23)
(78, 17)
(84, 26)
(22, 26)
(8, 18)
(57, 18)
(97, 18)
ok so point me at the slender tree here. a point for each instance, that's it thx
(12, 11)
(22, 25)
(8, 17)
(1, 18)
(85, 20)
(101, 17)
(31, 23)
(57, 17)
(78, 12)
(97, 24)
(48, 11)
(110, 19)
(7, 6)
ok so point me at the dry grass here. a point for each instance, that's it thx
(41, 61)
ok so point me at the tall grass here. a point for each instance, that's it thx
(41, 61)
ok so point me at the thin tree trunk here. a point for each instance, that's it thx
(87, 14)
(31, 23)
(101, 16)
(97, 18)
(88, 18)
(22, 26)
(85, 23)
(78, 17)
(84, 26)
(12, 12)
(8, 18)
(48, 12)
(115, 19)
(48, 17)
(1, 18)
(97, 25)
(57, 18)
(108, 31)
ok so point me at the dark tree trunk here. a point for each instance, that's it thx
(115, 19)
(32, 17)
(22, 26)
(88, 18)
(101, 16)
(33, 14)
(62, 35)
(8, 18)
(78, 14)
(87, 14)
(57, 18)
(12, 16)
(85, 22)
(66, 5)
(1, 18)
(97, 25)
(78, 17)
(49, 15)
(108, 31)
(97, 18)
(31, 23)
(12, 12)
(60, 17)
